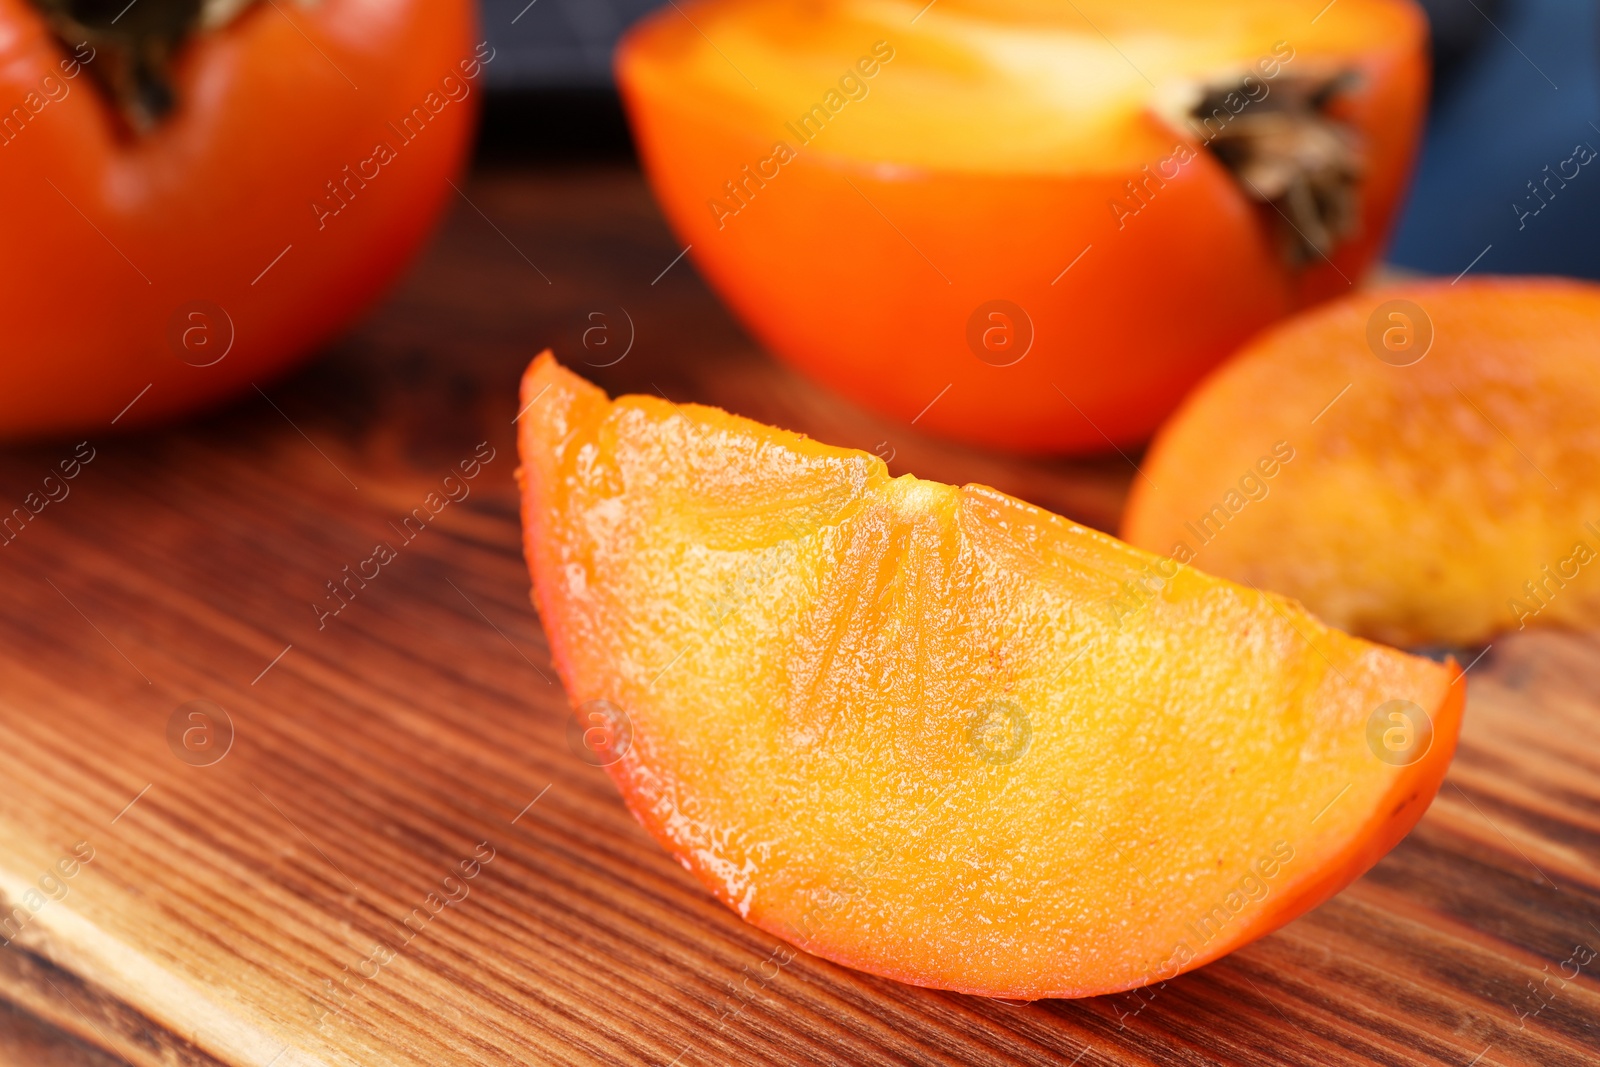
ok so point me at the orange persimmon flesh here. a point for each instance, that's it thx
(868, 183)
(919, 730)
(1016, 86)
(1437, 495)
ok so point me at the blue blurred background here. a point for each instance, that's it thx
(1517, 90)
(1515, 104)
(557, 44)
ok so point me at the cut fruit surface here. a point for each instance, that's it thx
(938, 734)
(980, 199)
(1009, 87)
(1442, 480)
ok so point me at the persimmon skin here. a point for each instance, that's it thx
(864, 273)
(111, 235)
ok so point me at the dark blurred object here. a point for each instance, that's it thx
(1458, 26)
(556, 43)
(1502, 187)
(550, 125)
(551, 96)
(135, 55)
(568, 43)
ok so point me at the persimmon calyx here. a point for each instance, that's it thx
(134, 44)
(1287, 152)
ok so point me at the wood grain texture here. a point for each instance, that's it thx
(25, 1041)
(225, 906)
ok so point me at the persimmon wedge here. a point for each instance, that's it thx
(938, 734)
(1437, 469)
(1053, 217)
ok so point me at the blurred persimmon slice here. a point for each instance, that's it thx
(1443, 479)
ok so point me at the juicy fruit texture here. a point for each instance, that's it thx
(897, 174)
(1435, 503)
(936, 733)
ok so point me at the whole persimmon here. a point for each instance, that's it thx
(1019, 223)
(198, 193)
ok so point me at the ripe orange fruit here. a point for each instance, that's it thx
(939, 734)
(1053, 218)
(1437, 467)
(209, 225)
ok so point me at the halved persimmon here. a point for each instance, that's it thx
(939, 734)
(1419, 463)
(1051, 219)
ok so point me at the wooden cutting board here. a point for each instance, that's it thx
(304, 898)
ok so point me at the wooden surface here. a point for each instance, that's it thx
(26, 1041)
(225, 905)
